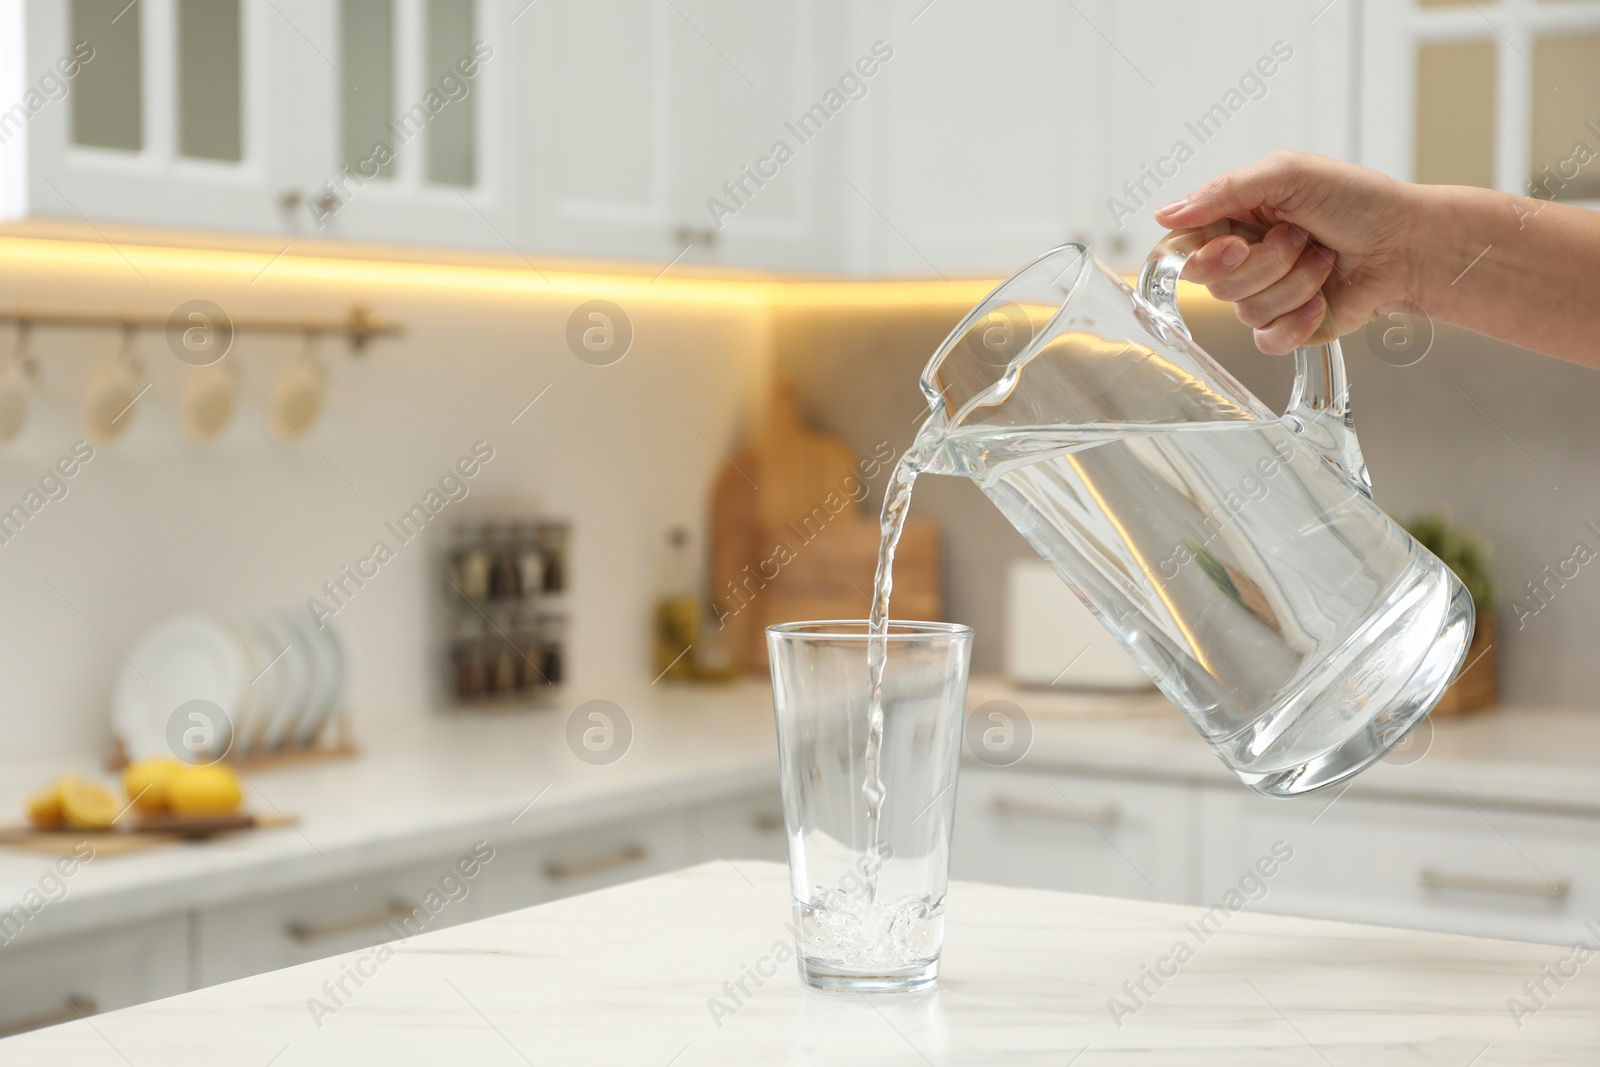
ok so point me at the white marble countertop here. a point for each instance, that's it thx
(633, 974)
(415, 791)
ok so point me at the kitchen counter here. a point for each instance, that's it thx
(644, 974)
(438, 783)
(428, 787)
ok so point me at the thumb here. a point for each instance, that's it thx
(1259, 187)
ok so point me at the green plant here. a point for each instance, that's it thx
(1461, 550)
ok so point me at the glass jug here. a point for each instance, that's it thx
(1236, 554)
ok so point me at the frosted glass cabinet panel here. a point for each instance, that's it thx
(451, 138)
(1566, 120)
(210, 77)
(366, 31)
(1455, 114)
(107, 97)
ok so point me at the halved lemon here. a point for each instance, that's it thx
(44, 807)
(86, 805)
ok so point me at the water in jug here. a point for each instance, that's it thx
(1235, 553)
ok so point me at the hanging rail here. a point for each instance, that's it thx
(358, 327)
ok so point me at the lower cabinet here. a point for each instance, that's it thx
(533, 872)
(1076, 833)
(744, 829)
(61, 979)
(245, 938)
(1453, 868)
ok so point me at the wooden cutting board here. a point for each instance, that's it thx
(148, 833)
(790, 542)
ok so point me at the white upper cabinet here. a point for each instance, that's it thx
(420, 139)
(778, 92)
(907, 137)
(1500, 95)
(986, 123)
(1186, 94)
(684, 129)
(1012, 126)
(366, 119)
(160, 111)
(599, 120)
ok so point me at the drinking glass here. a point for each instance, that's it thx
(868, 900)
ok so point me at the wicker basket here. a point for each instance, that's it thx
(1478, 686)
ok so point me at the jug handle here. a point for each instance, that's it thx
(1319, 404)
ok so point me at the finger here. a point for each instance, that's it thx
(1268, 261)
(1295, 288)
(1261, 185)
(1216, 260)
(1288, 332)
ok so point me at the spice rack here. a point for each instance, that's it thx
(505, 585)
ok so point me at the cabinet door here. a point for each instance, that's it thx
(601, 119)
(1453, 868)
(1075, 833)
(775, 107)
(62, 979)
(422, 136)
(534, 872)
(983, 139)
(186, 113)
(750, 828)
(252, 936)
(1205, 94)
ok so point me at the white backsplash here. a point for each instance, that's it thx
(153, 525)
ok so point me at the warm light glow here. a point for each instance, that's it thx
(531, 281)
(152, 260)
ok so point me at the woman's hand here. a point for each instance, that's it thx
(1340, 244)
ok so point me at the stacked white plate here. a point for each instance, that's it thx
(277, 676)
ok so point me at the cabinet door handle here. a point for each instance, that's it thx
(77, 1007)
(305, 932)
(1106, 814)
(766, 823)
(563, 871)
(1435, 879)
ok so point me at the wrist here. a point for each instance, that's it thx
(1453, 226)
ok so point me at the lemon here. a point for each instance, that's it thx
(86, 805)
(145, 782)
(44, 807)
(209, 790)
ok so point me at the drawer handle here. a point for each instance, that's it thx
(1553, 890)
(1107, 814)
(767, 824)
(77, 1008)
(558, 871)
(394, 911)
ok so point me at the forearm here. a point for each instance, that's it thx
(1521, 270)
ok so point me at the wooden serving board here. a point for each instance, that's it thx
(121, 840)
(790, 543)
